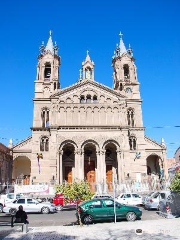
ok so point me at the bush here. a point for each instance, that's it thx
(175, 184)
(76, 190)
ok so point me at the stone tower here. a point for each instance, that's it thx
(125, 75)
(47, 79)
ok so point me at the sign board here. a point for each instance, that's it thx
(32, 189)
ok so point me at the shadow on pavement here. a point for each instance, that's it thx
(98, 235)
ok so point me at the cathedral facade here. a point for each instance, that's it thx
(87, 130)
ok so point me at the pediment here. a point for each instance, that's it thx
(152, 144)
(25, 145)
(73, 93)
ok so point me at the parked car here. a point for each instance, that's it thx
(9, 197)
(63, 202)
(29, 205)
(103, 209)
(129, 199)
(146, 197)
(101, 196)
(154, 200)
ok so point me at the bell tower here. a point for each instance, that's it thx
(124, 71)
(47, 79)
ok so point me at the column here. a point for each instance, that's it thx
(98, 169)
(60, 170)
(81, 165)
(77, 165)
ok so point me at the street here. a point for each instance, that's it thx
(67, 217)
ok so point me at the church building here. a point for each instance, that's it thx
(87, 131)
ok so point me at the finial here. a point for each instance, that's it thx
(120, 34)
(87, 52)
(130, 51)
(50, 32)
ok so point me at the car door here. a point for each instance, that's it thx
(32, 205)
(110, 209)
(136, 199)
(126, 198)
(22, 202)
(97, 209)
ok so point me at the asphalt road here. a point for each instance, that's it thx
(68, 217)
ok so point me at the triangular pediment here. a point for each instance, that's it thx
(152, 144)
(88, 87)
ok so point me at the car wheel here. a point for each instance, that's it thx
(87, 219)
(59, 207)
(158, 208)
(131, 216)
(1, 208)
(12, 211)
(45, 210)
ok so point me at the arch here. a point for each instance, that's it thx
(111, 163)
(47, 71)
(68, 162)
(126, 71)
(21, 170)
(154, 164)
(67, 142)
(90, 141)
(110, 141)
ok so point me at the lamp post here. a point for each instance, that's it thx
(137, 155)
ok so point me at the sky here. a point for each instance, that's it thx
(150, 26)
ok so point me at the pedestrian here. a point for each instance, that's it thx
(21, 216)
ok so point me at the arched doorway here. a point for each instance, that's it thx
(21, 170)
(90, 165)
(68, 162)
(154, 165)
(111, 164)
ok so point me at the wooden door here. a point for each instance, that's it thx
(89, 173)
(109, 177)
(68, 174)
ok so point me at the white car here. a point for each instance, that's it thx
(129, 199)
(29, 205)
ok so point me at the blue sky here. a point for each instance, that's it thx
(152, 28)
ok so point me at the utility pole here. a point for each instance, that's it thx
(114, 192)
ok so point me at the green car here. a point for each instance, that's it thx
(103, 209)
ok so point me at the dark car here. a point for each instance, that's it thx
(103, 209)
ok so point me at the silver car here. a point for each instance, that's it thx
(154, 200)
(29, 205)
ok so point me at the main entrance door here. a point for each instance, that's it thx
(89, 172)
(68, 174)
(109, 177)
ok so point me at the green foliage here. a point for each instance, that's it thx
(175, 184)
(76, 190)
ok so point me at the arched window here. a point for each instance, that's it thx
(82, 99)
(88, 99)
(126, 71)
(45, 118)
(44, 144)
(130, 117)
(54, 86)
(47, 72)
(121, 87)
(132, 143)
(95, 99)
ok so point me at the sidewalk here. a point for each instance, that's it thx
(165, 229)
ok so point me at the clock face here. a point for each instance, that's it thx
(128, 90)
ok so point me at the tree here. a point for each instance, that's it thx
(175, 184)
(76, 190)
